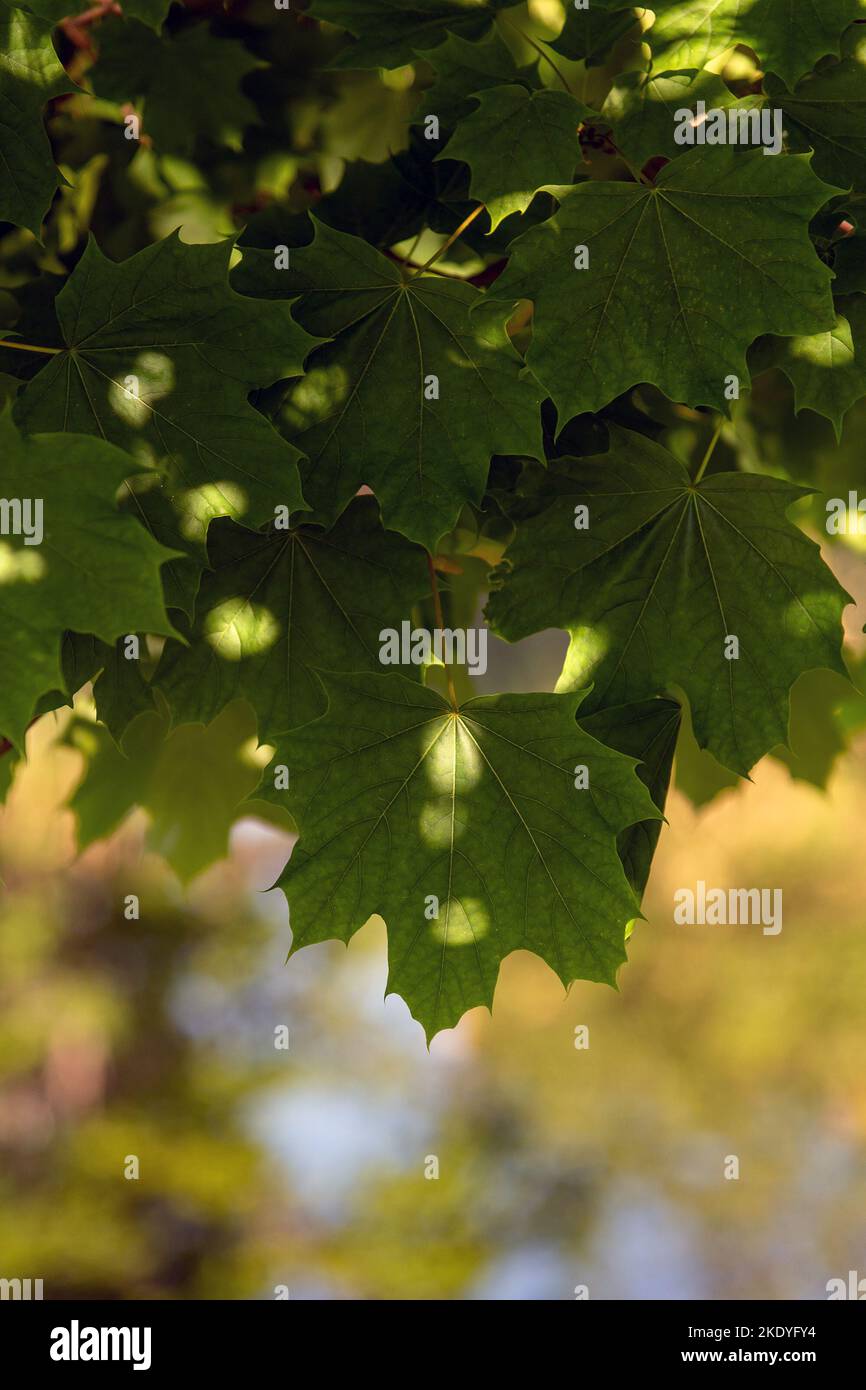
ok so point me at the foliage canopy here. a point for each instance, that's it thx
(537, 282)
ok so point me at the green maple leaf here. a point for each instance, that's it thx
(646, 730)
(663, 576)
(160, 356)
(389, 32)
(30, 74)
(187, 84)
(818, 734)
(682, 277)
(827, 370)
(180, 523)
(641, 108)
(120, 691)
(788, 38)
(150, 12)
(363, 413)
(401, 799)
(697, 774)
(192, 782)
(94, 570)
(274, 607)
(588, 34)
(822, 703)
(464, 69)
(515, 143)
(827, 112)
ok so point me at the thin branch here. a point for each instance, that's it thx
(75, 26)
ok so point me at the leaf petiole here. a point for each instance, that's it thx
(450, 242)
(710, 451)
(28, 347)
(440, 623)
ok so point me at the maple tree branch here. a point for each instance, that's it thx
(74, 26)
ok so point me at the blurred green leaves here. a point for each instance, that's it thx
(190, 782)
(30, 74)
(388, 33)
(68, 559)
(184, 86)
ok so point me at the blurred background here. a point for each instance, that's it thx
(302, 1168)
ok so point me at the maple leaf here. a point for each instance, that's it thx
(409, 808)
(666, 266)
(788, 39)
(412, 397)
(191, 781)
(274, 607)
(186, 84)
(76, 563)
(390, 32)
(160, 355)
(827, 370)
(120, 691)
(826, 112)
(30, 75)
(589, 33)
(665, 573)
(646, 730)
(516, 142)
(641, 107)
(464, 69)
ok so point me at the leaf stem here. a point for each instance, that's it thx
(440, 623)
(710, 450)
(450, 242)
(28, 347)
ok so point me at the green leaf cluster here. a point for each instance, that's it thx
(326, 328)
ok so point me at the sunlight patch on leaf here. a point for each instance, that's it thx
(461, 922)
(238, 629)
(24, 565)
